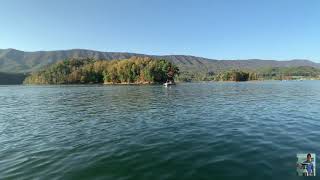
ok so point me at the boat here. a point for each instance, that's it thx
(169, 83)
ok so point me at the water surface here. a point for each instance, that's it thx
(189, 131)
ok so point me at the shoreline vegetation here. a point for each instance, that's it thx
(146, 70)
(136, 70)
(11, 78)
(260, 74)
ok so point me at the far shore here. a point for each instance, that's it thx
(177, 82)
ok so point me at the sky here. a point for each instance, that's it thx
(217, 29)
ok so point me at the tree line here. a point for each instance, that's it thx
(11, 78)
(265, 73)
(140, 70)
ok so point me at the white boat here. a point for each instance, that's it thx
(168, 84)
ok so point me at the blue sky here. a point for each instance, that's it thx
(220, 29)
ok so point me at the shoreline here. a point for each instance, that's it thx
(177, 82)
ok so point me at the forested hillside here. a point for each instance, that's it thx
(14, 64)
(14, 61)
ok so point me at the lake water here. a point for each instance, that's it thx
(189, 131)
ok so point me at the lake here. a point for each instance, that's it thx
(189, 131)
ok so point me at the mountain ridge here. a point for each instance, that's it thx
(17, 61)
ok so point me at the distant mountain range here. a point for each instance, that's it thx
(16, 61)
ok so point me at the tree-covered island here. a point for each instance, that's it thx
(136, 70)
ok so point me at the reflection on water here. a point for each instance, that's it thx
(188, 131)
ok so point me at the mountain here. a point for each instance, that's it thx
(16, 61)
(12, 60)
(192, 63)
